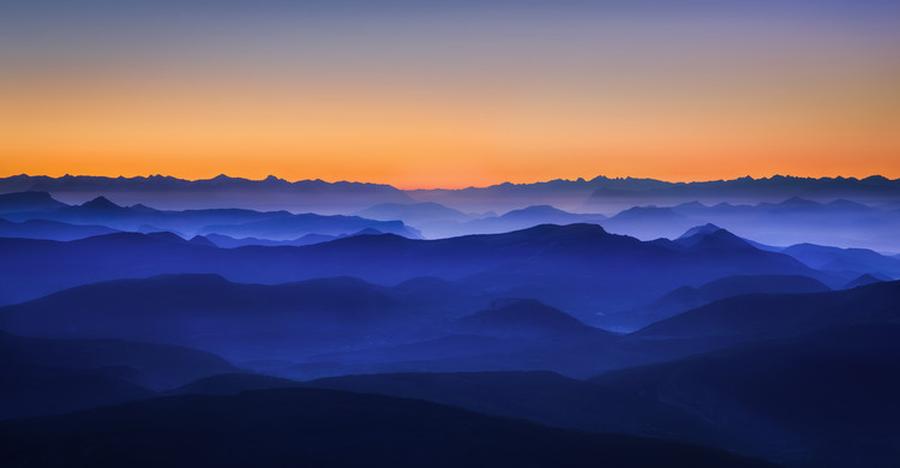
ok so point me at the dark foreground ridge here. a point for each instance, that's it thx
(323, 428)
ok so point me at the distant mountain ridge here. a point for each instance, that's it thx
(70, 183)
(788, 221)
(779, 210)
(51, 230)
(618, 193)
(271, 193)
(274, 225)
(509, 195)
(31, 200)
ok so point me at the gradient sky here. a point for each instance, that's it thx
(441, 93)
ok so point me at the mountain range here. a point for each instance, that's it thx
(231, 319)
(580, 268)
(600, 191)
(839, 222)
(271, 193)
(273, 225)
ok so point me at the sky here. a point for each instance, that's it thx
(424, 94)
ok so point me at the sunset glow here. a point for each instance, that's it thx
(450, 96)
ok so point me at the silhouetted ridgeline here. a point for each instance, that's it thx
(274, 225)
(566, 193)
(580, 268)
(218, 192)
(325, 428)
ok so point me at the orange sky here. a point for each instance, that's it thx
(475, 113)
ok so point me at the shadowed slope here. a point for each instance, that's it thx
(51, 230)
(823, 400)
(302, 427)
(151, 365)
(764, 316)
(579, 268)
(28, 201)
(543, 397)
(209, 312)
(687, 297)
(43, 376)
(523, 318)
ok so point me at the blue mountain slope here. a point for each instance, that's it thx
(768, 316)
(50, 230)
(324, 428)
(685, 298)
(579, 268)
(855, 261)
(208, 312)
(826, 399)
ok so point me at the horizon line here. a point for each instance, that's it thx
(467, 187)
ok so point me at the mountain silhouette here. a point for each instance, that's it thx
(216, 192)
(31, 201)
(43, 376)
(580, 268)
(852, 261)
(649, 222)
(605, 192)
(864, 280)
(768, 316)
(311, 427)
(773, 188)
(229, 242)
(153, 366)
(30, 391)
(542, 397)
(50, 230)
(599, 190)
(211, 313)
(720, 324)
(828, 399)
(101, 204)
(290, 227)
(202, 240)
(413, 213)
(522, 318)
(688, 297)
(277, 225)
(527, 217)
(710, 236)
(789, 222)
(233, 384)
(704, 229)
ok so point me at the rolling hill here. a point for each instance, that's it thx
(323, 428)
(826, 399)
(767, 316)
(579, 268)
(689, 297)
